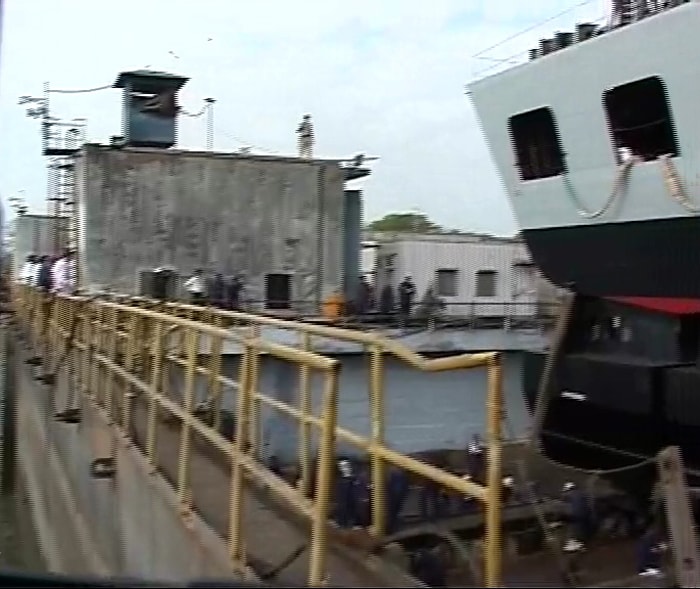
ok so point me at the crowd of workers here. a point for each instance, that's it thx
(582, 514)
(223, 292)
(58, 274)
(217, 290)
(55, 274)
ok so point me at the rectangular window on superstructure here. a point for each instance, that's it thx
(640, 120)
(486, 283)
(446, 282)
(536, 143)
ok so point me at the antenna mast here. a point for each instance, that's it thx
(60, 142)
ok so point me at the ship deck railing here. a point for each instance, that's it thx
(140, 364)
(515, 49)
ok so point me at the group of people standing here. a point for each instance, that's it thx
(55, 274)
(217, 290)
(367, 301)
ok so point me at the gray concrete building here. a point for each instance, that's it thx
(278, 221)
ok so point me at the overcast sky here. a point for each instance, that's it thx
(384, 77)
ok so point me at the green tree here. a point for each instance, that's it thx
(405, 223)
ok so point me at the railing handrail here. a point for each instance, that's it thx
(396, 349)
(102, 329)
(415, 359)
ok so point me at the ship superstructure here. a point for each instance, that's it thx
(597, 145)
(596, 141)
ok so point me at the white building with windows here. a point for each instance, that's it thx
(474, 275)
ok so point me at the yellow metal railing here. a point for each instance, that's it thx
(124, 348)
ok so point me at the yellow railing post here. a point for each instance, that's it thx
(49, 351)
(306, 408)
(376, 397)
(132, 344)
(86, 353)
(98, 386)
(325, 478)
(192, 344)
(157, 360)
(215, 350)
(256, 426)
(113, 339)
(245, 392)
(494, 548)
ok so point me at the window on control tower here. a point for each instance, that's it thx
(536, 143)
(640, 120)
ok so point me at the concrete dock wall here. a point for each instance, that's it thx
(129, 525)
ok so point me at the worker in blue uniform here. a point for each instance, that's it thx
(476, 460)
(581, 519)
(364, 498)
(649, 550)
(426, 566)
(346, 495)
(431, 500)
(397, 491)
(469, 503)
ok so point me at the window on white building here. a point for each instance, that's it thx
(446, 280)
(486, 283)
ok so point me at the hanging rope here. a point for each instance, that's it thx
(619, 183)
(674, 186)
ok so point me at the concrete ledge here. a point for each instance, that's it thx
(131, 525)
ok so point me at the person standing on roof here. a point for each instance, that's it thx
(305, 133)
(195, 287)
(63, 274)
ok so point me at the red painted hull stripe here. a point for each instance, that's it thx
(666, 305)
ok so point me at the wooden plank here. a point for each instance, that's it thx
(679, 515)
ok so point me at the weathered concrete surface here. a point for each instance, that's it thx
(262, 519)
(126, 526)
(143, 208)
